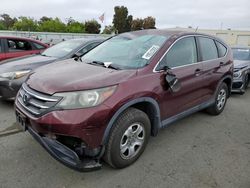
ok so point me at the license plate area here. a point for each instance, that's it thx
(21, 121)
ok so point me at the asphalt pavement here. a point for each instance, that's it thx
(200, 151)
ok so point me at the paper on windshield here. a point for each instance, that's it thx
(151, 51)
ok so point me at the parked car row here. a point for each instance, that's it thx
(14, 72)
(106, 103)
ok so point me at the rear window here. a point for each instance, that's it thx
(208, 48)
(221, 49)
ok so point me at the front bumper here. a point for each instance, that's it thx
(64, 154)
(9, 88)
(85, 125)
(238, 85)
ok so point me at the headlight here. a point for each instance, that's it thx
(84, 99)
(14, 75)
(237, 73)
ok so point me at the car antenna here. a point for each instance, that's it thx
(196, 29)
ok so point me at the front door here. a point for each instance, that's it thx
(182, 59)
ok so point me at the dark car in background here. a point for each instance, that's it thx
(241, 79)
(11, 47)
(124, 90)
(14, 72)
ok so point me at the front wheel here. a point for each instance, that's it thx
(128, 138)
(220, 100)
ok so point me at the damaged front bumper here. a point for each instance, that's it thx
(61, 152)
(65, 155)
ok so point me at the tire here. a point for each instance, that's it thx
(130, 130)
(220, 100)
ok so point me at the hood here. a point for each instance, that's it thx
(238, 64)
(70, 75)
(24, 63)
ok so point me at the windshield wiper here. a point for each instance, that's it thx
(112, 66)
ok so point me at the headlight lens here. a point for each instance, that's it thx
(84, 99)
(14, 75)
(237, 73)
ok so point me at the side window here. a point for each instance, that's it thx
(221, 49)
(207, 48)
(18, 45)
(38, 46)
(88, 47)
(183, 52)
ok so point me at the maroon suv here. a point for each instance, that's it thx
(108, 103)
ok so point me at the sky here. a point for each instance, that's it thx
(207, 14)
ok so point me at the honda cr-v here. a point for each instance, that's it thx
(108, 103)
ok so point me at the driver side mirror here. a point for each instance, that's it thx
(78, 56)
(171, 80)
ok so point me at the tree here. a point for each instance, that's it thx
(149, 23)
(52, 25)
(44, 19)
(2, 26)
(92, 26)
(121, 20)
(7, 21)
(25, 24)
(109, 29)
(74, 26)
(137, 24)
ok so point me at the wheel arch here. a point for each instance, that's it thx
(146, 104)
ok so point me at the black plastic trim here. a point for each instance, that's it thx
(65, 155)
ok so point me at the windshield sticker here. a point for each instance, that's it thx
(243, 50)
(151, 51)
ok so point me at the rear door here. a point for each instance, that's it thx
(212, 64)
(182, 58)
(17, 48)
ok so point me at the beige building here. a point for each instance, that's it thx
(232, 37)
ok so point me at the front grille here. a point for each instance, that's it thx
(35, 102)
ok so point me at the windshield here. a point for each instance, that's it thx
(62, 49)
(126, 52)
(242, 54)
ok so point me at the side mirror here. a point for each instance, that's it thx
(173, 82)
(77, 56)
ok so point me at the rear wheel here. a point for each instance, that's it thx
(128, 138)
(220, 100)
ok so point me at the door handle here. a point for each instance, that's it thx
(197, 72)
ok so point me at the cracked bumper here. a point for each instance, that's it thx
(64, 154)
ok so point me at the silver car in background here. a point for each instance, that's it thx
(241, 79)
